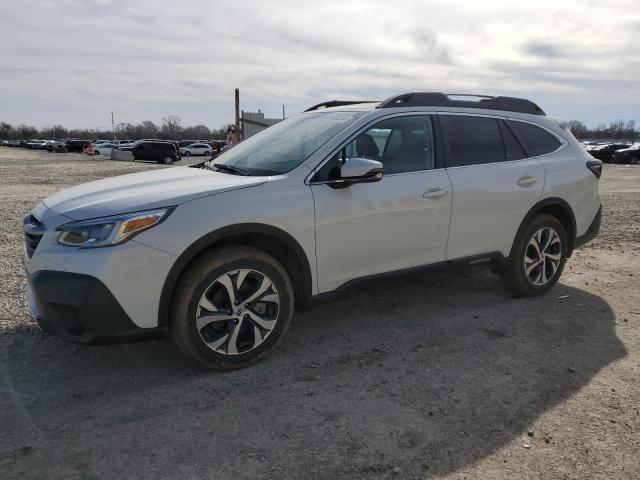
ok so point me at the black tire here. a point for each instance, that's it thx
(516, 277)
(634, 160)
(167, 160)
(187, 153)
(198, 279)
(206, 153)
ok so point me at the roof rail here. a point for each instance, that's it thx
(438, 99)
(338, 103)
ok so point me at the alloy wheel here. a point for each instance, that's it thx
(238, 311)
(542, 256)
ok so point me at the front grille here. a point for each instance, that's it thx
(33, 232)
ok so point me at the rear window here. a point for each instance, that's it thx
(535, 140)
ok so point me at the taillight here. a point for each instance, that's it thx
(596, 167)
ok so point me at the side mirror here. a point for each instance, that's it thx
(359, 170)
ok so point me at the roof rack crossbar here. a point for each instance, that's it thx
(439, 99)
(338, 103)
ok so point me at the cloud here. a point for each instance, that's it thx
(74, 61)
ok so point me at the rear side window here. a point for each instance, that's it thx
(534, 139)
(512, 149)
(472, 140)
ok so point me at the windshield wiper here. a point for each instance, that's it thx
(231, 169)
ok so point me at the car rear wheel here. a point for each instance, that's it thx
(231, 308)
(168, 160)
(540, 253)
(634, 159)
(187, 153)
(206, 153)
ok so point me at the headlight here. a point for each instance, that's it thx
(107, 231)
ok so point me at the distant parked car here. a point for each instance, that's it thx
(605, 152)
(628, 155)
(161, 152)
(103, 148)
(76, 145)
(185, 143)
(5, 143)
(33, 144)
(196, 149)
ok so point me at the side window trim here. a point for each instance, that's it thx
(438, 144)
(563, 142)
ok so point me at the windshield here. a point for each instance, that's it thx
(285, 145)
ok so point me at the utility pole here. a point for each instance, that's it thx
(283, 111)
(113, 127)
(237, 115)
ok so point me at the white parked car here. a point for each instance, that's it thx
(221, 253)
(196, 149)
(102, 148)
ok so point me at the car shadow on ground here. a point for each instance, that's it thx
(427, 373)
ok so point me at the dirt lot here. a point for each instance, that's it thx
(439, 375)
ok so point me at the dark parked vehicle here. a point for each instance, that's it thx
(185, 143)
(76, 145)
(161, 152)
(605, 152)
(628, 155)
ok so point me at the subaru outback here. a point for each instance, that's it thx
(220, 254)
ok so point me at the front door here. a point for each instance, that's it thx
(399, 222)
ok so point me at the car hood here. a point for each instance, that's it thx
(143, 191)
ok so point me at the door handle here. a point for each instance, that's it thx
(527, 181)
(435, 193)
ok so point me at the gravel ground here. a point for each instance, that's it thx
(430, 376)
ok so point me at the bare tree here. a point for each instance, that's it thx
(578, 128)
(6, 130)
(147, 129)
(171, 126)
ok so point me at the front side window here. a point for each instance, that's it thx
(472, 140)
(402, 144)
(535, 140)
(285, 145)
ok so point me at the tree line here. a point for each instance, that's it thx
(616, 130)
(170, 129)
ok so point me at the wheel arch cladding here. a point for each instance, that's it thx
(556, 207)
(271, 240)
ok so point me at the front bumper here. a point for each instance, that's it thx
(73, 291)
(81, 308)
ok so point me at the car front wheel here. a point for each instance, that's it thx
(231, 307)
(539, 255)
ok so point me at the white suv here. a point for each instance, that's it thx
(221, 253)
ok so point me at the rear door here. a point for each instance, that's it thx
(494, 184)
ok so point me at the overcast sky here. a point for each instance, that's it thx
(74, 61)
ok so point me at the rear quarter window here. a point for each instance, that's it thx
(535, 140)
